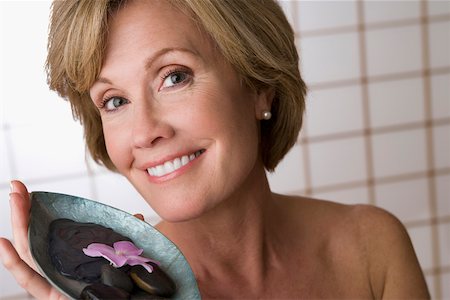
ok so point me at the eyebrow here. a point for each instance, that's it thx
(150, 60)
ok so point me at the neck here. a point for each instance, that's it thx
(232, 239)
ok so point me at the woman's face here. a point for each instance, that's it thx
(177, 121)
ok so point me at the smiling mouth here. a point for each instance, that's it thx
(173, 165)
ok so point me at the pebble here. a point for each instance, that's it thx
(100, 291)
(117, 278)
(155, 283)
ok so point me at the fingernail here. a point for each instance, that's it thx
(11, 186)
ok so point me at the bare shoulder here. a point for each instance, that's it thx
(394, 268)
(367, 240)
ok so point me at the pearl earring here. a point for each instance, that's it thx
(267, 115)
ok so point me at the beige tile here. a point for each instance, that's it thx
(444, 243)
(421, 239)
(382, 11)
(440, 96)
(445, 279)
(288, 7)
(443, 195)
(441, 137)
(438, 7)
(334, 110)
(408, 200)
(439, 44)
(340, 161)
(329, 58)
(313, 15)
(359, 195)
(289, 176)
(399, 153)
(394, 50)
(430, 280)
(396, 102)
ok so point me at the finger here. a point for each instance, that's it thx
(139, 216)
(20, 209)
(27, 278)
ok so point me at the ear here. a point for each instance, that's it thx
(263, 101)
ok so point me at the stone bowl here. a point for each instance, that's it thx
(47, 206)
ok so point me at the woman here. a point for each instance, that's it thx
(192, 101)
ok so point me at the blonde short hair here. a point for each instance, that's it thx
(254, 36)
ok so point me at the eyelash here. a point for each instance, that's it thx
(176, 70)
(167, 74)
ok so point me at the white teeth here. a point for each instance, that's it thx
(170, 166)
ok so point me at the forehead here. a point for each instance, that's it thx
(152, 25)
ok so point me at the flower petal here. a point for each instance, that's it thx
(107, 252)
(127, 248)
(98, 249)
(148, 267)
(140, 259)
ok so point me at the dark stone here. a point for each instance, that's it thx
(66, 242)
(100, 291)
(155, 283)
(141, 295)
(115, 277)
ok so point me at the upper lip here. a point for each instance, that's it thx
(170, 157)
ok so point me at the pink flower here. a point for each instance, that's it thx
(124, 252)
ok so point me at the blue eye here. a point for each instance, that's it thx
(114, 103)
(175, 77)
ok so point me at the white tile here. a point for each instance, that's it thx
(334, 110)
(28, 99)
(46, 150)
(438, 7)
(329, 58)
(314, 15)
(399, 153)
(289, 174)
(443, 195)
(440, 96)
(408, 200)
(439, 44)
(441, 137)
(114, 190)
(5, 167)
(79, 186)
(359, 195)
(394, 50)
(338, 161)
(5, 214)
(396, 102)
(382, 11)
(421, 240)
(444, 243)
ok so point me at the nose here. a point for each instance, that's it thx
(150, 126)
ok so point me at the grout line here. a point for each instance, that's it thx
(308, 191)
(379, 78)
(367, 131)
(377, 181)
(373, 26)
(432, 198)
(375, 131)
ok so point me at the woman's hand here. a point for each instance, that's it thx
(17, 259)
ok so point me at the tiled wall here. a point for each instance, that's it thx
(377, 128)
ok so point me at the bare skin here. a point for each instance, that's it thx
(242, 241)
(339, 253)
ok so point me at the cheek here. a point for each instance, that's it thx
(117, 142)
